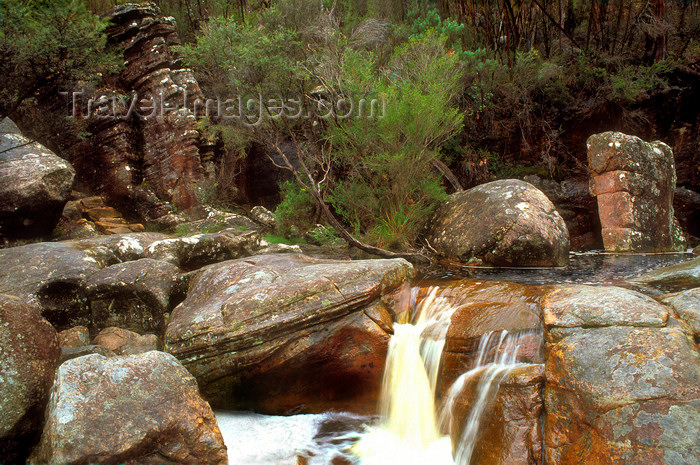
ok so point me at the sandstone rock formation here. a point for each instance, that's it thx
(146, 159)
(29, 354)
(287, 333)
(505, 223)
(34, 184)
(634, 182)
(141, 409)
(622, 380)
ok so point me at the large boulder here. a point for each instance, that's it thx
(141, 409)
(34, 184)
(52, 275)
(622, 380)
(133, 295)
(285, 333)
(634, 182)
(505, 223)
(29, 354)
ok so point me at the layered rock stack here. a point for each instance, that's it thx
(144, 152)
(634, 182)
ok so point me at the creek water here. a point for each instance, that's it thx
(414, 424)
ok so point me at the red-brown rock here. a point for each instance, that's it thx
(634, 182)
(510, 427)
(141, 409)
(486, 307)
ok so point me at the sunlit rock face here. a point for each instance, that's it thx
(622, 380)
(634, 183)
(34, 184)
(29, 354)
(505, 223)
(286, 333)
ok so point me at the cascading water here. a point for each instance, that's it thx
(490, 370)
(409, 432)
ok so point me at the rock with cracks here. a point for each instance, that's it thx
(29, 354)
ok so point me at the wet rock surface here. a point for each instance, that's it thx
(34, 184)
(620, 388)
(675, 277)
(510, 432)
(29, 354)
(142, 409)
(505, 223)
(485, 307)
(287, 333)
(634, 183)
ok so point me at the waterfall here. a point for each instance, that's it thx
(409, 431)
(490, 370)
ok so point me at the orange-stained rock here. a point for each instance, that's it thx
(634, 182)
(29, 354)
(622, 380)
(283, 333)
(486, 307)
(510, 427)
(76, 336)
(141, 409)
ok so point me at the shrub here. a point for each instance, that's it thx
(296, 212)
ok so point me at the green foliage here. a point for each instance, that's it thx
(46, 45)
(295, 214)
(389, 185)
(274, 239)
(234, 59)
(631, 83)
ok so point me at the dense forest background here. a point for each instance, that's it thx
(476, 90)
